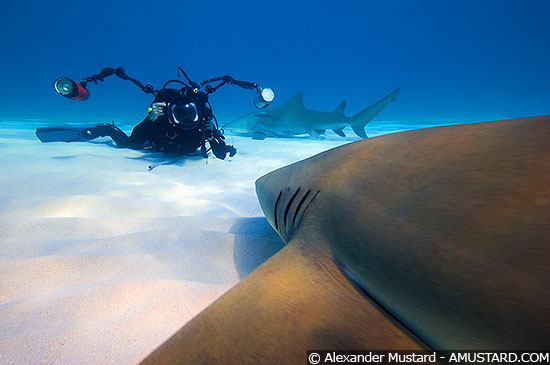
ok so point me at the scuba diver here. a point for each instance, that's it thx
(180, 121)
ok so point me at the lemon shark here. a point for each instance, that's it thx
(293, 118)
(436, 238)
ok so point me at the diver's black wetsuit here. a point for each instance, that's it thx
(159, 135)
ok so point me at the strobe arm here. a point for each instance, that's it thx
(119, 71)
(263, 96)
(228, 80)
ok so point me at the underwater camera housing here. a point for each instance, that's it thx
(186, 108)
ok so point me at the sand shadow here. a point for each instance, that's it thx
(157, 159)
(255, 242)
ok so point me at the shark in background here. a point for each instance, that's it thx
(293, 118)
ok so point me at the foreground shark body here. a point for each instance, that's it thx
(293, 118)
(437, 238)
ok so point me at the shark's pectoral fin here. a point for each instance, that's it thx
(340, 132)
(297, 301)
(258, 136)
(314, 134)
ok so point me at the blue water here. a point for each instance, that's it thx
(455, 61)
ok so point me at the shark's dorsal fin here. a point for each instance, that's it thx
(297, 101)
(340, 109)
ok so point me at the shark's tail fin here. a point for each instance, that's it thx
(361, 119)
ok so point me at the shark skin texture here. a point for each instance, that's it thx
(436, 238)
(293, 118)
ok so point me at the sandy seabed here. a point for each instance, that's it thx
(102, 260)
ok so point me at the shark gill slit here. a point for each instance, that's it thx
(306, 206)
(275, 210)
(300, 206)
(289, 205)
(309, 202)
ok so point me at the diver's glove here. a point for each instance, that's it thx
(218, 146)
(220, 149)
(231, 150)
(101, 130)
(156, 110)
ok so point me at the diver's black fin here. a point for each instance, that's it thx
(64, 134)
(70, 134)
